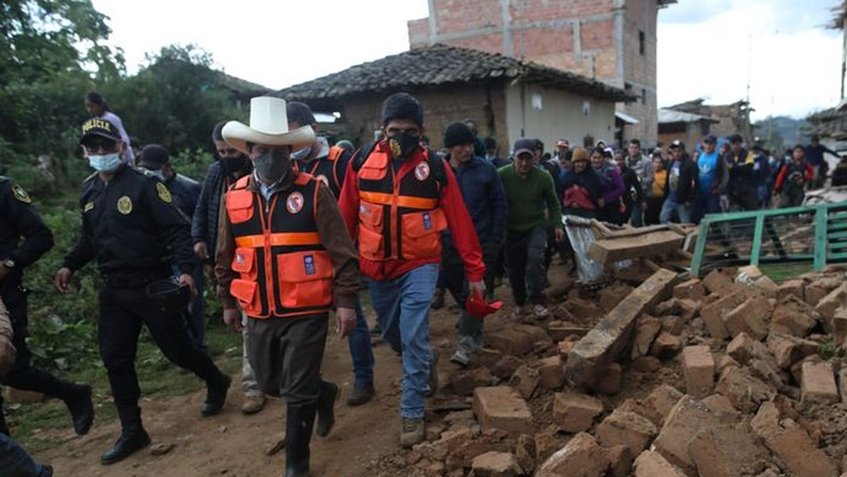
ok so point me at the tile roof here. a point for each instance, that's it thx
(443, 66)
(667, 115)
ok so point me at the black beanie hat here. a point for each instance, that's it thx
(154, 156)
(300, 112)
(402, 106)
(457, 134)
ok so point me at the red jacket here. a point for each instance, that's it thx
(450, 201)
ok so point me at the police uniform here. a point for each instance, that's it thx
(132, 228)
(19, 219)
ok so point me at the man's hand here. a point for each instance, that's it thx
(558, 234)
(186, 279)
(345, 321)
(62, 282)
(201, 250)
(477, 287)
(232, 319)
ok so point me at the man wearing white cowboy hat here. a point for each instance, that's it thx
(284, 257)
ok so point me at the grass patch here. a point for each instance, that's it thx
(779, 272)
(31, 422)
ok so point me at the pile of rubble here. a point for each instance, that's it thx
(732, 375)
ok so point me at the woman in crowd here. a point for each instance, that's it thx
(613, 188)
(633, 195)
(97, 107)
(583, 191)
(656, 196)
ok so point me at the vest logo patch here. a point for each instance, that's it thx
(125, 205)
(309, 264)
(427, 221)
(422, 171)
(294, 203)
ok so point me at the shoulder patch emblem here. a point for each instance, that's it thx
(21, 194)
(422, 171)
(294, 203)
(164, 193)
(88, 206)
(124, 205)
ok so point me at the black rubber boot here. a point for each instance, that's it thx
(326, 407)
(216, 390)
(78, 400)
(298, 433)
(133, 436)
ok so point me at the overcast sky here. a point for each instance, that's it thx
(706, 47)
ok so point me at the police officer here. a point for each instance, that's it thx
(132, 228)
(19, 219)
(185, 191)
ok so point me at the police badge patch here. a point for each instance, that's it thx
(422, 171)
(125, 205)
(21, 194)
(164, 193)
(294, 203)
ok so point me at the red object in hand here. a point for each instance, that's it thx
(478, 308)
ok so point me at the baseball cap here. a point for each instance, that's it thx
(95, 127)
(524, 145)
(677, 144)
(710, 139)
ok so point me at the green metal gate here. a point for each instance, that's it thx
(816, 234)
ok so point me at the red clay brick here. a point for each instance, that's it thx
(626, 428)
(818, 384)
(699, 370)
(501, 407)
(653, 464)
(749, 317)
(574, 412)
(692, 289)
(550, 372)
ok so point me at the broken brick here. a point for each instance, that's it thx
(626, 428)
(692, 289)
(565, 347)
(496, 464)
(550, 373)
(464, 382)
(743, 348)
(646, 330)
(718, 282)
(505, 367)
(666, 346)
(583, 309)
(787, 349)
(719, 405)
(726, 361)
(685, 420)
(827, 305)
(653, 464)
(501, 407)
(793, 317)
(699, 370)
(839, 325)
(800, 454)
(793, 287)
(574, 412)
(645, 364)
(658, 404)
(818, 384)
(743, 390)
(581, 456)
(712, 314)
(749, 317)
(820, 288)
(525, 380)
(525, 453)
(620, 460)
(726, 451)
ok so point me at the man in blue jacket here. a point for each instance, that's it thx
(486, 203)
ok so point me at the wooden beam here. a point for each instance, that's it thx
(651, 244)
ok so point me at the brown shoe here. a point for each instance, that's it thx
(411, 432)
(253, 403)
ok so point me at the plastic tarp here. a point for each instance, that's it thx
(581, 236)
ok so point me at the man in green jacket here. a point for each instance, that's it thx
(532, 205)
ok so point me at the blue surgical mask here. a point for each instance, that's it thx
(105, 162)
(301, 154)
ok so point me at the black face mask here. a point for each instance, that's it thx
(272, 166)
(403, 144)
(234, 164)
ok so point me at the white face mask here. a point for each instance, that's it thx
(301, 154)
(105, 162)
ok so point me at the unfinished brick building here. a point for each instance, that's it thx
(610, 40)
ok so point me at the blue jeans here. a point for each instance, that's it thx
(402, 309)
(668, 208)
(361, 352)
(636, 215)
(16, 462)
(707, 203)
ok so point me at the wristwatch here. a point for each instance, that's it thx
(9, 263)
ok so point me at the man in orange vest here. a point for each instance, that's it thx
(284, 258)
(397, 199)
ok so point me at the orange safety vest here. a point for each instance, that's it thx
(399, 217)
(284, 270)
(325, 169)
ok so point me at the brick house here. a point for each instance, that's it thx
(613, 41)
(689, 128)
(506, 97)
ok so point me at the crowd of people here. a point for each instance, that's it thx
(290, 228)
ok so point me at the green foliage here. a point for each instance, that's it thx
(828, 350)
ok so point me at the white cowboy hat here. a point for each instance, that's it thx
(268, 126)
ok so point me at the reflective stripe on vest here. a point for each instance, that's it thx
(399, 217)
(283, 269)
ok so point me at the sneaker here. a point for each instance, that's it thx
(361, 395)
(253, 403)
(411, 432)
(520, 311)
(433, 374)
(461, 357)
(540, 312)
